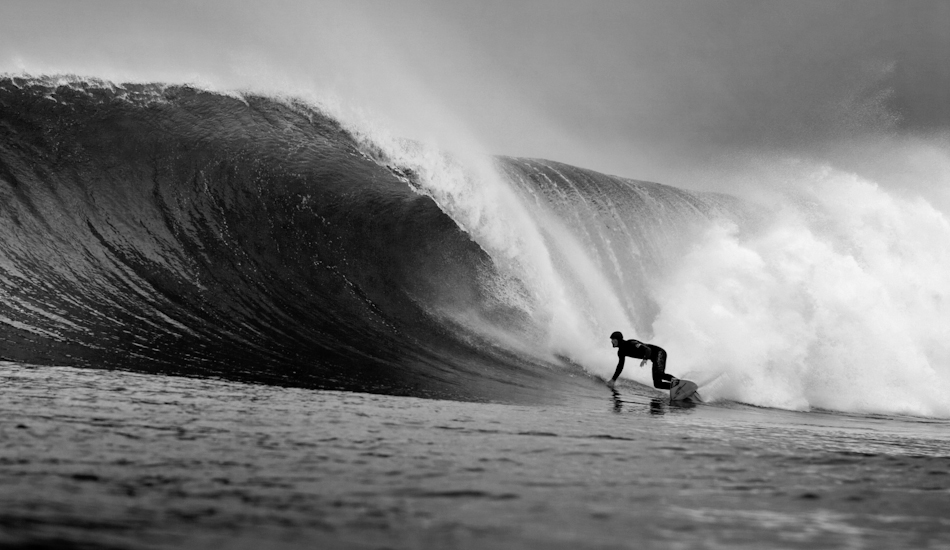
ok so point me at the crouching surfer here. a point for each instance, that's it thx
(657, 355)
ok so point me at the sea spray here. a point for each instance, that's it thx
(841, 302)
(541, 269)
(835, 297)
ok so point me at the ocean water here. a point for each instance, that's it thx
(111, 459)
(243, 320)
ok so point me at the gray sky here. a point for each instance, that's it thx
(655, 90)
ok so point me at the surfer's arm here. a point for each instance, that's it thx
(618, 371)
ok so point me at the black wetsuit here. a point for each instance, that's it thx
(656, 354)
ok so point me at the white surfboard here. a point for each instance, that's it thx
(683, 389)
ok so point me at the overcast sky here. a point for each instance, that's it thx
(650, 89)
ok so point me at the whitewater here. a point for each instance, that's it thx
(382, 327)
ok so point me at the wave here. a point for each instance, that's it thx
(172, 229)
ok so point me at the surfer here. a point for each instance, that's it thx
(639, 350)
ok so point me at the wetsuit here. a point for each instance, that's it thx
(639, 350)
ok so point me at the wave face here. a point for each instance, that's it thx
(169, 229)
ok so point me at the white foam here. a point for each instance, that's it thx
(843, 302)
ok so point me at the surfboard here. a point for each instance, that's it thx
(684, 389)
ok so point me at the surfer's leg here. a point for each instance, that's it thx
(660, 378)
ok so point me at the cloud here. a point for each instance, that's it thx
(646, 89)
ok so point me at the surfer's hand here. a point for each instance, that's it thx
(644, 362)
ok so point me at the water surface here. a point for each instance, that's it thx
(110, 459)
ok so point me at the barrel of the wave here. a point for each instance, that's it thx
(168, 229)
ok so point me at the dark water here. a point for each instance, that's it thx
(95, 459)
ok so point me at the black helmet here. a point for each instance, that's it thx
(616, 335)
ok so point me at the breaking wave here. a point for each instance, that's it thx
(172, 229)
